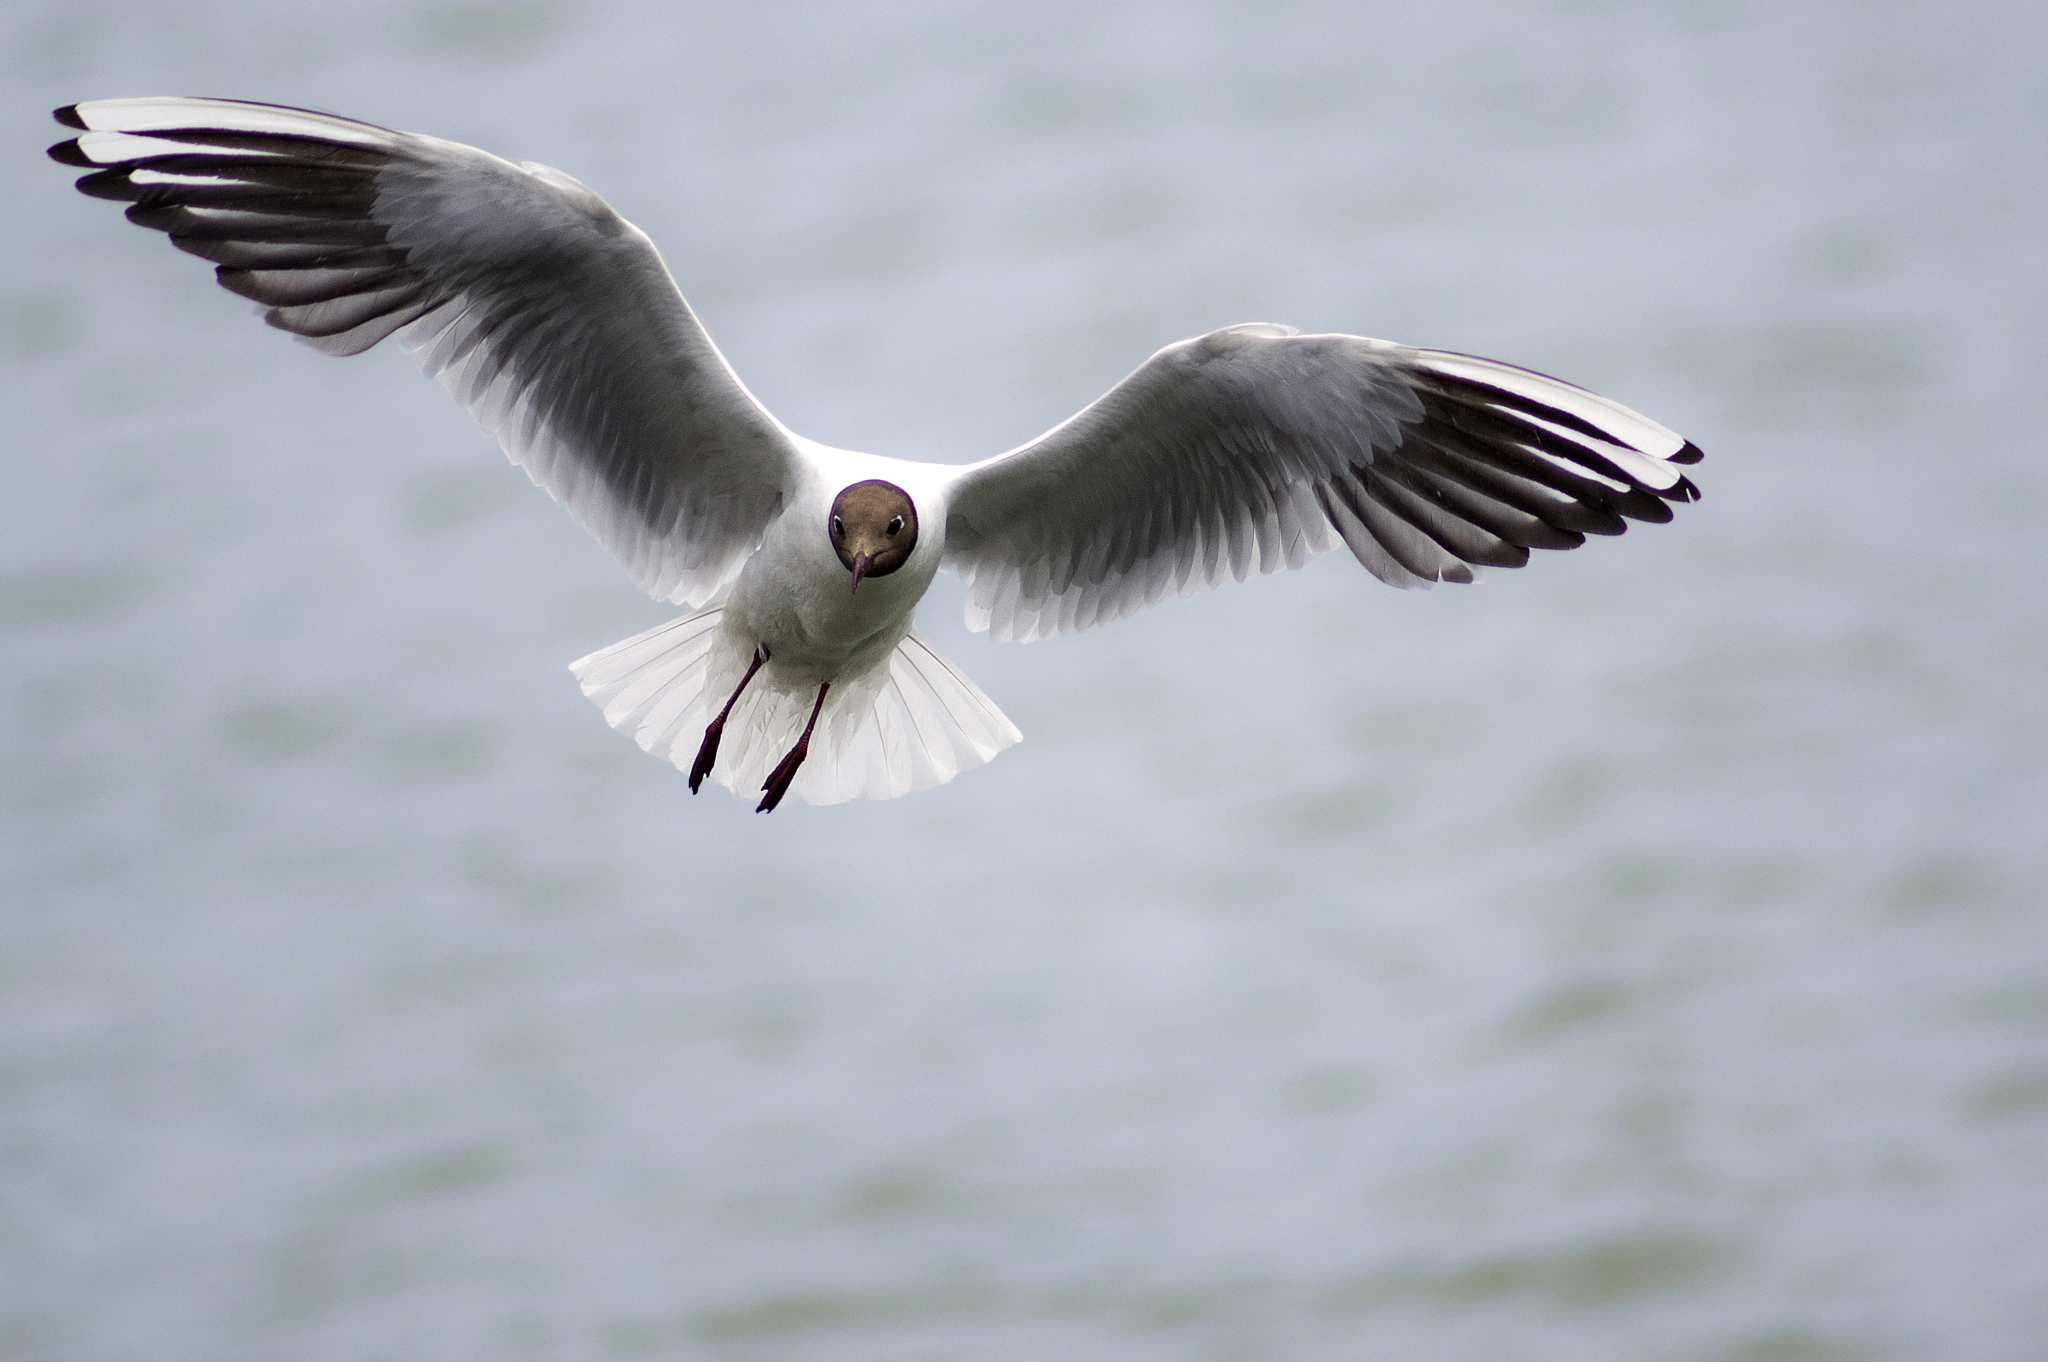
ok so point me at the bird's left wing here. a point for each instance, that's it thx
(546, 313)
(1254, 448)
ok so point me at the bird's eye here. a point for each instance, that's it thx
(895, 524)
(838, 526)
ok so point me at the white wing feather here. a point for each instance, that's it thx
(1254, 449)
(551, 317)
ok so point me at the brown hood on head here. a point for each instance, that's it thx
(873, 528)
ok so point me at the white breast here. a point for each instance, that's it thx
(795, 597)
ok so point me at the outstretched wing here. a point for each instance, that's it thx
(546, 313)
(1254, 448)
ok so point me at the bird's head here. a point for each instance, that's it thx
(873, 528)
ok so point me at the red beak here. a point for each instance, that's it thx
(861, 563)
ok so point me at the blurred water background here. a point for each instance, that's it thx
(1640, 956)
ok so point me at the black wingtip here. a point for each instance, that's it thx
(71, 154)
(1690, 454)
(68, 116)
(117, 184)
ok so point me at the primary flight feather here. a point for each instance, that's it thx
(555, 322)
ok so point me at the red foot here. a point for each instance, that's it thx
(713, 731)
(777, 784)
(708, 753)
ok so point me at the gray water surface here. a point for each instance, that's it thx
(1640, 956)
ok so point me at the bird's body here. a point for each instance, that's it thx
(1248, 449)
(793, 595)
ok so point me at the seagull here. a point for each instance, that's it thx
(555, 321)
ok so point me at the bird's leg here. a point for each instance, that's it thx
(777, 784)
(713, 731)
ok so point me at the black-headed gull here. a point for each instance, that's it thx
(555, 321)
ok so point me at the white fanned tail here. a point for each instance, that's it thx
(912, 724)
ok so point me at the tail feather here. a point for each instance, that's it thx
(911, 724)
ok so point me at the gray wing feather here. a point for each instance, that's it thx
(1253, 449)
(548, 315)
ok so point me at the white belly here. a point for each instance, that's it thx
(796, 599)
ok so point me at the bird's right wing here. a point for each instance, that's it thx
(1253, 448)
(546, 313)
